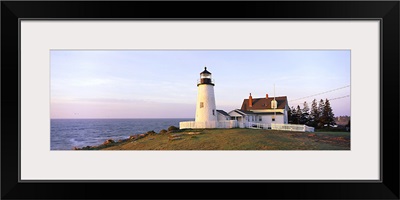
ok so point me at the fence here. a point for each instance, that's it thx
(258, 125)
(236, 124)
(309, 129)
(212, 124)
(292, 127)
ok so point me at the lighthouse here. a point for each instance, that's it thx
(205, 106)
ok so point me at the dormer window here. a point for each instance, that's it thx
(274, 104)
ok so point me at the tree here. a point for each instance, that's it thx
(321, 107)
(348, 125)
(327, 114)
(305, 115)
(293, 116)
(298, 114)
(314, 114)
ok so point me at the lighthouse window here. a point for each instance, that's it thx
(213, 112)
(205, 76)
(201, 104)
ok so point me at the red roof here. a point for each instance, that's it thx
(264, 103)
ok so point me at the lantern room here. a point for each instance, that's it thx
(205, 78)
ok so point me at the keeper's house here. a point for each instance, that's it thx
(267, 110)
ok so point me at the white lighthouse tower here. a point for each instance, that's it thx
(205, 107)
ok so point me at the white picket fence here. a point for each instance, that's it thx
(292, 127)
(236, 124)
(258, 126)
(212, 124)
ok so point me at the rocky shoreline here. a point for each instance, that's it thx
(110, 142)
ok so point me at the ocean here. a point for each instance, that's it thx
(69, 133)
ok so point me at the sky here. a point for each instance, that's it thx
(163, 83)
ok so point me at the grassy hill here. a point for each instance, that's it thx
(232, 139)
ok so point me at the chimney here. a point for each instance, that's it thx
(250, 101)
(266, 96)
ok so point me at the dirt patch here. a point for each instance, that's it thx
(175, 137)
(193, 133)
(296, 135)
(333, 140)
(338, 141)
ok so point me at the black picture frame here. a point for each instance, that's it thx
(13, 11)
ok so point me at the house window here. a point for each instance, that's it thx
(201, 104)
(260, 118)
(213, 112)
(273, 118)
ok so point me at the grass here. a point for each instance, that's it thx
(234, 139)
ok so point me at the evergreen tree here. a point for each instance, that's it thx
(305, 115)
(327, 114)
(298, 114)
(321, 107)
(314, 114)
(348, 125)
(293, 115)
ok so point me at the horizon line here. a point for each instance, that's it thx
(132, 118)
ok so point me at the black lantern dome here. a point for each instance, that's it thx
(205, 78)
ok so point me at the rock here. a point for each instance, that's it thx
(132, 137)
(151, 132)
(163, 131)
(109, 141)
(173, 128)
(86, 148)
